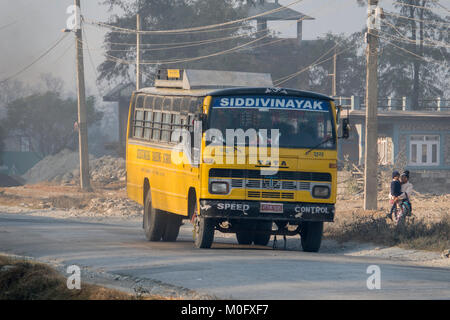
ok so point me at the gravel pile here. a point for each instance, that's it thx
(107, 169)
(114, 207)
(63, 168)
(53, 168)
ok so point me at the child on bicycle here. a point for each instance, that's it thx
(407, 190)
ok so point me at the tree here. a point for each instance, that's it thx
(414, 52)
(157, 49)
(47, 120)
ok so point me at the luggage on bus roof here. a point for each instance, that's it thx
(203, 79)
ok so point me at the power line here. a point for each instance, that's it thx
(418, 20)
(181, 33)
(36, 60)
(70, 46)
(119, 60)
(412, 5)
(401, 36)
(407, 51)
(92, 62)
(317, 62)
(440, 5)
(7, 25)
(409, 41)
(198, 43)
(193, 29)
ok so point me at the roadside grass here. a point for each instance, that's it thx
(26, 280)
(416, 233)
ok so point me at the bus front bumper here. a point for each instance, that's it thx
(267, 210)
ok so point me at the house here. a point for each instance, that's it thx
(16, 156)
(417, 140)
(278, 13)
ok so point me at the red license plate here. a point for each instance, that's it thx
(271, 208)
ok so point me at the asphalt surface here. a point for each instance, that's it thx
(227, 270)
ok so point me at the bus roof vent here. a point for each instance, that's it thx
(205, 79)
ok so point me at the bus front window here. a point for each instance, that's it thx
(297, 128)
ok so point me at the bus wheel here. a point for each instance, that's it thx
(173, 224)
(203, 230)
(262, 236)
(154, 220)
(311, 235)
(246, 235)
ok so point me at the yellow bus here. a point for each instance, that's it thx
(199, 148)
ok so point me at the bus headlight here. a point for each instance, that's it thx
(322, 192)
(218, 187)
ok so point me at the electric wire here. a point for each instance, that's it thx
(193, 29)
(35, 60)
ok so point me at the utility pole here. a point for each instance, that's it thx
(82, 117)
(371, 146)
(138, 52)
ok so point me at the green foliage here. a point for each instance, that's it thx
(47, 119)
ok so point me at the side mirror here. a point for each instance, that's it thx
(338, 113)
(345, 128)
(203, 118)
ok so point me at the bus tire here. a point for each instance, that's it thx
(311, 235)
(154, 220)
(173, 224)
(203, 230)
(245, 236)
(262, 237)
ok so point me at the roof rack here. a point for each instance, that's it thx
(205, 79)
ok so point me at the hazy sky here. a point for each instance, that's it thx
(37, 24)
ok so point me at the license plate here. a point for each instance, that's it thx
(271, 207)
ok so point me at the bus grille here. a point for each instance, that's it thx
(281, 175)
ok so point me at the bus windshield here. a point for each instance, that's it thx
(302, 123)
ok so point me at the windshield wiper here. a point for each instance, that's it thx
(318, 145)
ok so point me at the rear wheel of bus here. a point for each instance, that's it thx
(172, 228)
(311, 236)
(154, 220)
(257, 232)
(262, 233)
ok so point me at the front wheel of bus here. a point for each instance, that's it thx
(153, 220)
(203, 231)
(311, 236)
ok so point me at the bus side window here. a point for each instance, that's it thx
(167, 104)
(149, 100)
(156, 126)
(165, 132)
(158, 103)
(148, 124)
(177, 104)
(185, 104)
(176, 124)
(193, 105)
(138, 122)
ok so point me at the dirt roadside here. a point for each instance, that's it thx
(25, 278)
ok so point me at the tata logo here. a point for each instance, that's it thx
(268, 163)
(271, 183)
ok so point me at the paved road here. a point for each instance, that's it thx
(227, 270)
